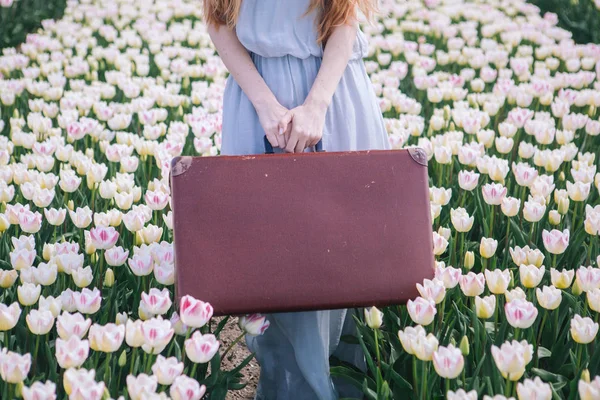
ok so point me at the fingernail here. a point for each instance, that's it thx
(280, 130)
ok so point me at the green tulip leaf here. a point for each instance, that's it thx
(543, 352)
(548, 376)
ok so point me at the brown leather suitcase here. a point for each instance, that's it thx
(301, 231)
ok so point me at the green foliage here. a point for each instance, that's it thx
(24, 17)
(581, 17)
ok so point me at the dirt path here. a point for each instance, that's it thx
(235, 357)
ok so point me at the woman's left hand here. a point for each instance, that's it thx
(307, 121)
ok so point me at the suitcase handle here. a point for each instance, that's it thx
(269, 147)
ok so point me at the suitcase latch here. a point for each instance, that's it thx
(418, 154)
(181, 165)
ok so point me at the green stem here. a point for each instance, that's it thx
(377, 348)
(447, 387)
(579, 353)
(539, 338)
(100, 280)
(193, 374)
(453, 251)
(170, 350)
(462, 198)
(507, 388)
(441, 313)
(506, 252)
(107, 368)
(133, 357)
(149, 363)
(424, 381)
(93, 197)
(555, 323)
(461, 247)
(496, 312)
(491, 234)
(237, 339)
(35, 354)
(414, 365)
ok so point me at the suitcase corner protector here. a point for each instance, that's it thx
(418, 155)
(180, 165)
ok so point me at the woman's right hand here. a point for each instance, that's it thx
(269, 115)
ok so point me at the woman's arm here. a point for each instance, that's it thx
(240, 66)
(309, 118)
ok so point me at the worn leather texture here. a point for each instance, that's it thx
(301, 231)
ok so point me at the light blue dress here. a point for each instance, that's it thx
(294, 352)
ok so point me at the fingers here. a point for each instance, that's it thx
(276, 129)
(292, 141)
(313, 141)
(297, 142)
(285, 120)
(300, 146)
(272, 138)
(284, 127)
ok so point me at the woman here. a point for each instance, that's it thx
(297, 76)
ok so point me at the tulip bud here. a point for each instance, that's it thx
(138, 238)
(554, 217)
(591, 113)
(373, 317)
(109, 278)
(47, 251)
(464, 346)
(4, 224)
(123, 359)
(121, 318)
(487, 247)
(575, 289)
(563, 206)
(447, 112)
(445, 232)
(385, 390)
(512, 279)
(585, 375)
(561, 176)
(469, 259)
(70, 205)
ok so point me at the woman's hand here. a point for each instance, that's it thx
(307, 122)
(242, 68)
(270, 115)
(309, 118)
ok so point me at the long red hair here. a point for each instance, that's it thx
(332, 13)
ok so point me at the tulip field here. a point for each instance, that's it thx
(96, 104)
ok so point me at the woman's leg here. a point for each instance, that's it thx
(280, 377)
(350, 353)
(294, 357)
